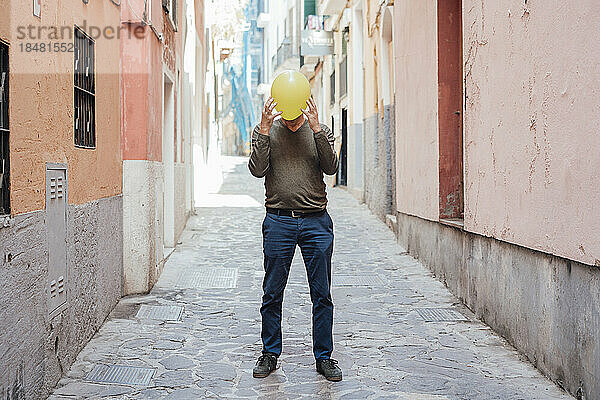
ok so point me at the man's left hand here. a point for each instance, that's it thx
(312, 115)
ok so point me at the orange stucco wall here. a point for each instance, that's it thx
(41, 107)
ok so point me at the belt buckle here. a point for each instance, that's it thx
(295, 215)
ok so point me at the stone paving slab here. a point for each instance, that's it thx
(386, 349)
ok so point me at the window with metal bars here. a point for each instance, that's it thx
(85, 91)
(4, 128)
(174, 12)
(343, 76)
(170, 7)
(332, 88)
(344, 62)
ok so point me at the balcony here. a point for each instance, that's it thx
(331, 7)
(263, 20)
(287, 56)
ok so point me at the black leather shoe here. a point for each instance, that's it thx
(329, 369)
(265, 365)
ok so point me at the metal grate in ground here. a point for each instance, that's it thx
(209, 278)
(357, 280)
(440, 315)
(165, 313)
(121, 374)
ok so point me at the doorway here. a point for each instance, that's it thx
(450, 107)
(168, 158)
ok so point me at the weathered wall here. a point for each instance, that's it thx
(181, 214)
(378, 125)
(417, 153)
(379, 156)
(142, 227)
(356, 168)
(42, 83)
(142, 108)
(530, 115)
(35, 349)
(531, 125)
(144, 64)
(23, 316)
(546, 306)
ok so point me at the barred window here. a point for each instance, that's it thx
(4, 150)
(174, 12)
(332, 88)
(170, 7)
(343, 76)
(85, 91)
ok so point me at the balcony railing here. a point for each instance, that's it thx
(284, 52)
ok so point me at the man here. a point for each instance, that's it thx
(292, 155)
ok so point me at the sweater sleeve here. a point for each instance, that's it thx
(328, 159)
(259, 154)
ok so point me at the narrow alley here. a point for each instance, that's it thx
(399, 333)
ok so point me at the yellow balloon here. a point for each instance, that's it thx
(290, 90)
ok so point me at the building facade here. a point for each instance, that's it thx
(356, 92)
(160, 117)
(281, 22)
(100, 106)
(467, 126)
(352, 85)
(61, 243)
(496, 123)
(237, 71)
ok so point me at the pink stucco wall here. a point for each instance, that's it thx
(417, 154)
(532, 114)
(141, 64)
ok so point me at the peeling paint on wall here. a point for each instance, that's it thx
(531, 118)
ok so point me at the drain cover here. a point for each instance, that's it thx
(209, 278)
(121, 374)
(440, 314)
(166, 313)
(357, 280)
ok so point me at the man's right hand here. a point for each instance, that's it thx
(266, 121)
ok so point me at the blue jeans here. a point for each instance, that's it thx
(314, 235)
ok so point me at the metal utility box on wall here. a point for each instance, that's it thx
(56, 226)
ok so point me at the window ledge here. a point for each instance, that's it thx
(454, 222)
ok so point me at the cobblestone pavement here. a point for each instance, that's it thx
(385, 347)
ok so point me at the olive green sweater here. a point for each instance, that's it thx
(293, 164)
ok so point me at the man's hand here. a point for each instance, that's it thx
(312, 115)
(266, 121)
